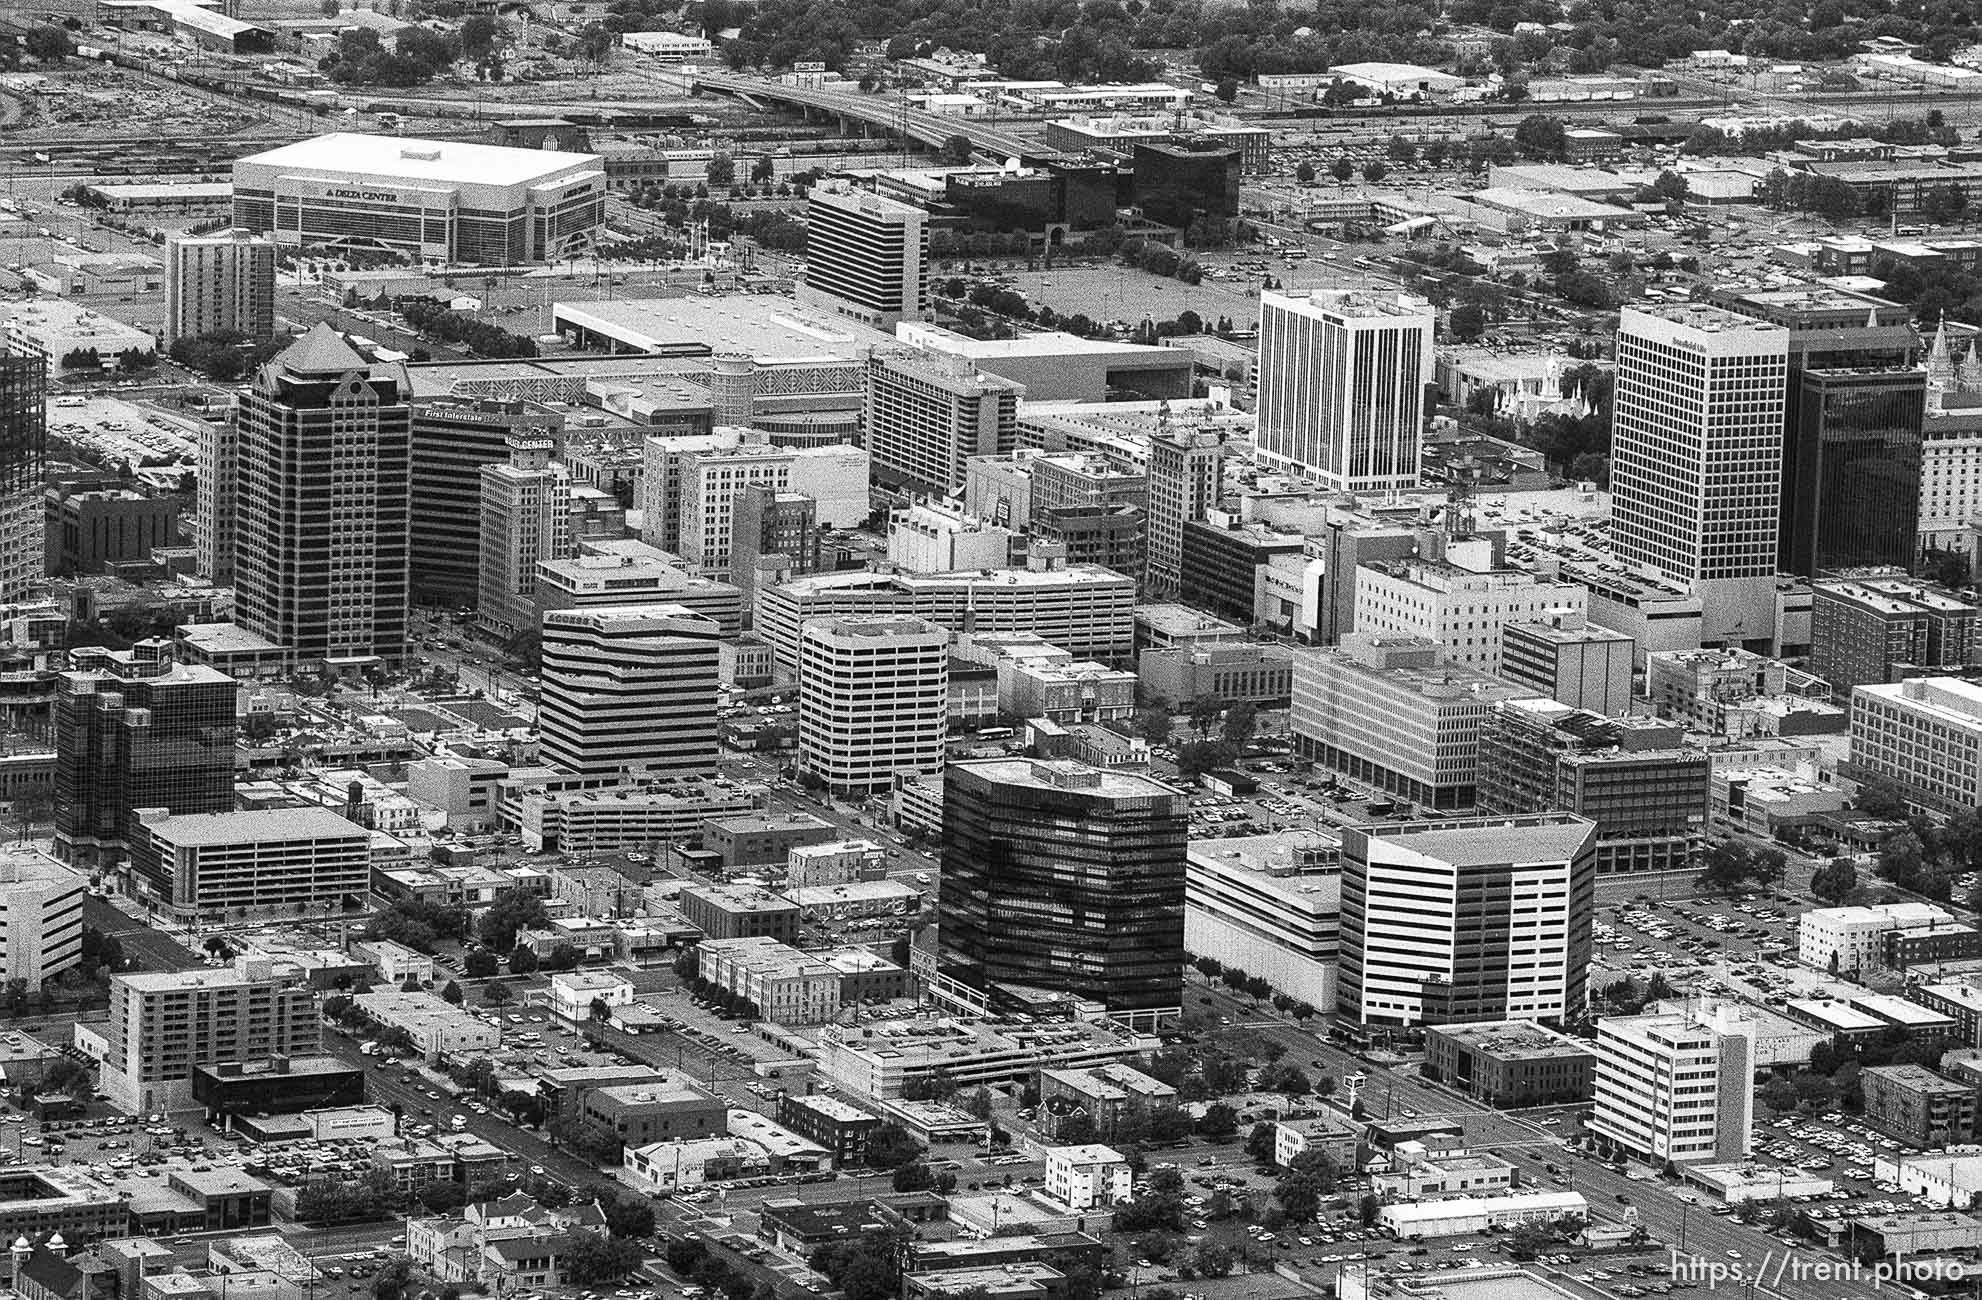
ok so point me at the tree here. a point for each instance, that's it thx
(1834, 881)
(598, 1257)
(523, 960)
(1881, 799)
(495, 993)
(957, 149)
(452, 993)
(764, 169)
(1466, 322)
(513, 909)
(722, 171)
(1343, 169)
(1227, 89)
(480, 964)
(479, 34)
(595, 42)
(49, 44)
(1259, 1143)
(889, 1147)
(1778, 1095)
(1212, 1259)
(1541, 137)
(1374, 171)
(1733, 865)
(1154, 724)
(1219, 1121)
(1305, 173)
(1240, 720)
(979, 1103)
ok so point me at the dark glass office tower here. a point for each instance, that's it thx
(23, 462)
(322, 503)
(1851, 445)
(1856, 495)
(1063, 878)
(133, 729)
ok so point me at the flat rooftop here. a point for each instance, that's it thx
(762, 327)
(209, 830)
(1062, 774)
(1515, 1040)
(386, 158)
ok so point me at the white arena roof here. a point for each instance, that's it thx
(391, 157)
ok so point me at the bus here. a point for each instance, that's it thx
(994, 733)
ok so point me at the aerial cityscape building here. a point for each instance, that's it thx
(902, 652)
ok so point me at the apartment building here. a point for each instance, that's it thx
(163, 1023)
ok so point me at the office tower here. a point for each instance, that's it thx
(1696, 458)
(1951, 449)
(1463, 600)
(865, 256)
(873, 700)
(1109, 537)
(133, 729)
(926, 413)
(1186, 469)
(525, 518)
(776, 537)
(23, 460)
(320, 549)
(1852, 455)
(452, 439)
(1647, 791)
(41, 915)
(1480, 919)
(89, 529)
(1571, 660)
(1089, 613)
(1342, 379)
(1855, 497)
(1924, 735)
(629, 689)
(1676, 1087)
(216, 497)
(1885, 628)
(1186, 182)
(708, 483)
(1389, 712)
(164, 1023)
(222, 282)
(1062, 877)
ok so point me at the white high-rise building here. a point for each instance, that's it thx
(1342, 378)
(1696, 458)
(1486, 918)
(41, 915)
(1678, 1086)
(630, 689)
(873, 699)
(866, 256)
(526, 518)
(220, 281)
